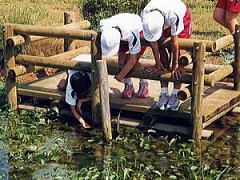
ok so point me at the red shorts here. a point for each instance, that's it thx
(187, 31)
(125, 48)
(228, 5)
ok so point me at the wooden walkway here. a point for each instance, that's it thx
(217, 101)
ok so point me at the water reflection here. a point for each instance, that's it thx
(3, 162)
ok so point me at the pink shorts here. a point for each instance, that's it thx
(187, 31)
(228, 5)
(124, 46)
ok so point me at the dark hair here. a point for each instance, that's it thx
(80, 83)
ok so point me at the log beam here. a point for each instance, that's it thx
(57, 32)
(20, 69)
(25, 39)
(96, 54)
(224, 42)
(104, 99)
(10, 63)
(237, 58)
(212, 78)
(197, 90)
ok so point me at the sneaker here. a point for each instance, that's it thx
(162, 102)
(128, 91)
(230, 55)
(143, 90)
(173, 103)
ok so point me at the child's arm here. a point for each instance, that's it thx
(132, 60)
(176, 70)
(78, 117)
(158, 66)
(80, 101)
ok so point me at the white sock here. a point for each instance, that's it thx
(175, 91)
(164, 90)
(128, 81)
(143, 81)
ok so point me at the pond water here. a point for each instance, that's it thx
(134, 154)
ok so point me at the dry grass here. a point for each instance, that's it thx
(50, 13)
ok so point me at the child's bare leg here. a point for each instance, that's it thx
(219, 16)
(231, 20)
(165, 59)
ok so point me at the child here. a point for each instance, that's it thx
(226, 13)
(166, 18)
(124, 27)
(78, 93)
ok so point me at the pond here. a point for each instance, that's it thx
(43, 148)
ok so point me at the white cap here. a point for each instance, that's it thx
(110, 41)
(152, 25)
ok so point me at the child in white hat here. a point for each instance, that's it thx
(115, 30)
(168, 19)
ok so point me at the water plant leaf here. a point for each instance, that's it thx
(193, 168)
(173, 177)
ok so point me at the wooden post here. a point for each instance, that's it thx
(69, 17)
(197, 89)
(10, 63)
(104, 99)
(237, 58)
(96, 54)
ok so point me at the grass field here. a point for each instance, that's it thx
(50, 13)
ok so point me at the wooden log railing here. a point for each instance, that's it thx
(23, 39)
(20, 69)
(54, 32)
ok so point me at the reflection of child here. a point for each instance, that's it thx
(124, 27)
(78, 93)
(167, 19)
(226, 13)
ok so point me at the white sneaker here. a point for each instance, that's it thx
(173, 103)
(230, 55)
(162, 102)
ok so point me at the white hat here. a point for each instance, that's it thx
(110, 41)
(152, 25)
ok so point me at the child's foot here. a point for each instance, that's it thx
(162, 102)
(143, 90)
(128, 91)
(173, 103)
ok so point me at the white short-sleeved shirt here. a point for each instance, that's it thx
(130, 26)
(173, 11)
(68, 97)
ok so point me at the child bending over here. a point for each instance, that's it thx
(78, 95)
(168, 19)
(121, 35)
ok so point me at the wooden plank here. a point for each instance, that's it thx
(217, 116)
(231, 118)
(207, 134)
(236, 111)
(45, 88)
(39, 92)
(158, 126)
(218, 101)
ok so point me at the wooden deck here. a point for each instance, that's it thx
(217, 100)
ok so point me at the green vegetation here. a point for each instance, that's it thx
(95, 10)
(40, 146)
